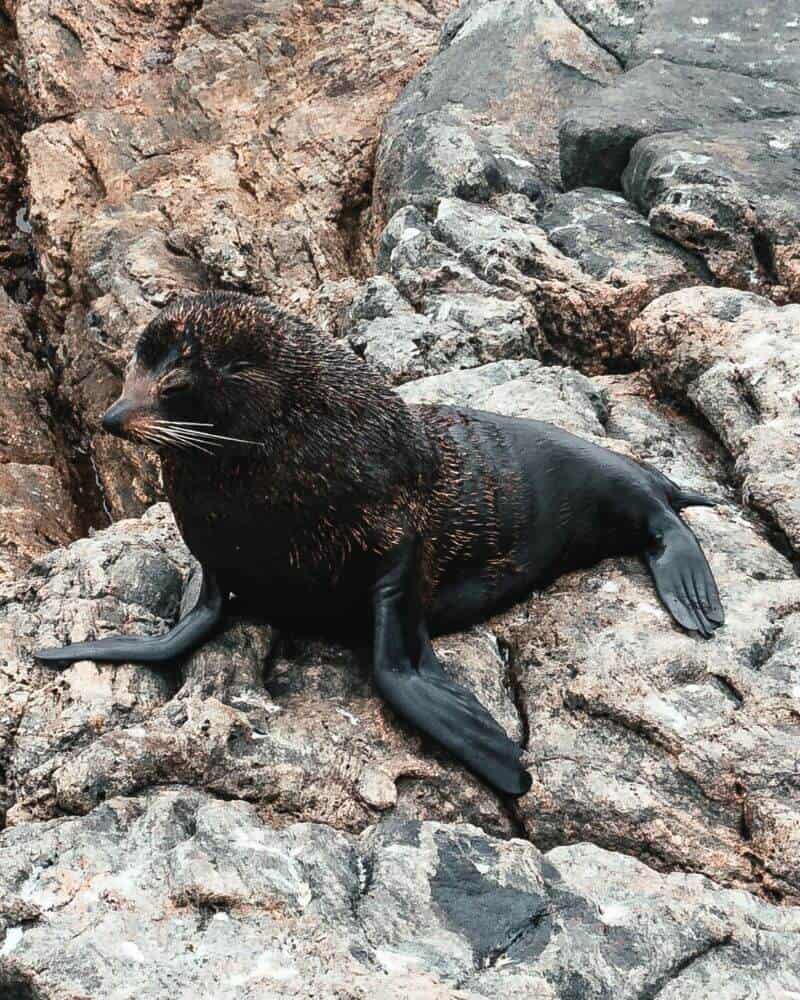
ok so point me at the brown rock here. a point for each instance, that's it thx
(229, 144)
(735, 356)
(36, 510)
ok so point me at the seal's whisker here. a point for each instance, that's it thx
(179, 423)
(209, 437)
(166, 436)
(189, 429)
(180, 434)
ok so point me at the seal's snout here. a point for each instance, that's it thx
(116, 417)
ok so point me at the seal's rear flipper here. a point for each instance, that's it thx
(412, 680)
(455, 718)
(682, 575)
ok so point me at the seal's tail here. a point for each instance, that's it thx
(682, 576)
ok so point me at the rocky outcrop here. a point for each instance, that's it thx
(700, 133)
(466, 126)
(201, 896)
(186, 145)
(479, 284)
(254, 820)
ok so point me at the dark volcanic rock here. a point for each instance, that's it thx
(611, 242)
(596, 136)
(481, 118)
(729, 193)
(757, 39)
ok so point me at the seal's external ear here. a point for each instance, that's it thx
(412, 680)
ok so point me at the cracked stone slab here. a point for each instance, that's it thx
(729, 193)
(596, 136)
(611, 242)
(178, 894)
(613, 24)
(735, 357)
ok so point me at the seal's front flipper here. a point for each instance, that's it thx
(412, 681)
(187, 635)
(682, 575)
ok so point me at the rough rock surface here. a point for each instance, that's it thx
(36, 509)
(464, 127)
(596, 136)
(185, 145)
(190, 896)
(255, 821)
(729, 193)
(758, 40)
(478, 284)
(736, 357)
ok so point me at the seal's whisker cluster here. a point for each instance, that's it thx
(190, 432)
(164, 436)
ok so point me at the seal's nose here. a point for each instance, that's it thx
(116, 417)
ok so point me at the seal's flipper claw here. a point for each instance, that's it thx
(455, 719)
(682, 576)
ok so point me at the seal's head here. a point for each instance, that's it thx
(189, 383)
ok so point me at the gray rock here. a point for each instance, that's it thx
(735, 356)
(463, 387)
(179, 894)
(475, 285)
(596, 136)
(128, 578)
(611, 242)
(464, 126)
(406, 347)
(758, 40)
(730, 194)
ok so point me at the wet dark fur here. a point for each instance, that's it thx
(347, 469)
(308, 489)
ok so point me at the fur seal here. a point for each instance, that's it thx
(304, 485)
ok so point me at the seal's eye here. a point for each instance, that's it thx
(174, 388)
